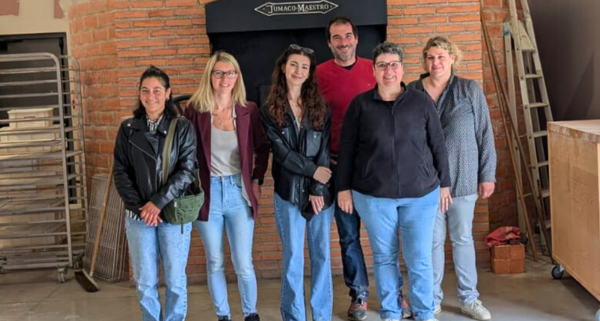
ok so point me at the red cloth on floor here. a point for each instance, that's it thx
(503, 235)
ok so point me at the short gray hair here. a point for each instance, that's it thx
(387, 48)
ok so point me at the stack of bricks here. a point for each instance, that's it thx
(508, 259)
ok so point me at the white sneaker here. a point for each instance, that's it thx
(476, 310)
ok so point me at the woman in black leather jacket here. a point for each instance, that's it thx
(297, 122)
(137, 176)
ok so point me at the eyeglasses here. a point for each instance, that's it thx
(300, 48)
(220, 73)
(382, 65)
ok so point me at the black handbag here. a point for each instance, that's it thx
(184, 209)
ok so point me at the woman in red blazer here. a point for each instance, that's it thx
(232, 154)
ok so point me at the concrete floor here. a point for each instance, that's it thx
(36, 295)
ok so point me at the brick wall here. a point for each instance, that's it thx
(503, 205)
(115, 40)
(92, 38)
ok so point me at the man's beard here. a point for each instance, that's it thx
(342, 57)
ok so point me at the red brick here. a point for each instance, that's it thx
(146, 4)
(433, 19)
(517, 266)
(394, 12)
(149, 43)
(178, 22)
(130, 14)
(118, 5)
(97, 6)
(419, 11)
(175, 62)
(191, 50)
(134, 53)
(417, 30)
(106, 19)
(465, 37)
(162, 32)
(123, 25)
(500, 266)
(447, 28)
(100, 35)
(193, 31)
(195, 11)
(90, 22)
(463, 18)
(401, 2)
(457, 9)
(131, 34)
(160, 13)
(181, 3)
(180, 41)
(148, 23)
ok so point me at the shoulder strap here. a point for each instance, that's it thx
(167, 150)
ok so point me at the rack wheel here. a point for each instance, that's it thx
(62, 273)
(558, 271)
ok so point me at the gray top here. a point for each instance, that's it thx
(224, 153)
(465, 119)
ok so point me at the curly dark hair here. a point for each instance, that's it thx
(155, 72)
(312, 100)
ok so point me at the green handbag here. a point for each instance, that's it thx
(185, 209)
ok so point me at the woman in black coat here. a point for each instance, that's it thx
(137, 175)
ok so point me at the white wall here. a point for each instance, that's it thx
(36, 16)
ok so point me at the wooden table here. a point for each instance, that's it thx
(574, 154)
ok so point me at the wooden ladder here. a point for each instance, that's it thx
(536, 107)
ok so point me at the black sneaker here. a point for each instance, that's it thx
(225, 318)
(252, 317)
(357, 310)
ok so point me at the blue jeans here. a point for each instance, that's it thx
(229, 212)
(460, 225)
(415, 218)
(291, 227)
(148, 244)
(348, 226)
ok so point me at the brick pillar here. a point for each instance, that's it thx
(503, 204)
(92, 39)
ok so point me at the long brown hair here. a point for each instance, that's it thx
(312, 100)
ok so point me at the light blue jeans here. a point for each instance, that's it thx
(414, 217)
(291, 227)
(229, 212)
(459, 220)
(148, 244)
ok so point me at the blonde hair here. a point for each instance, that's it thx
(203, 99)
(443, 43)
